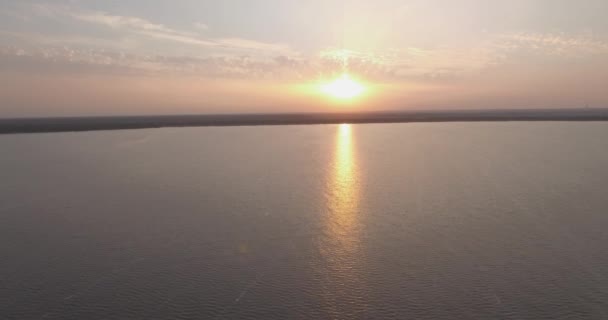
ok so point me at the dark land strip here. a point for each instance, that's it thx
(69, 124)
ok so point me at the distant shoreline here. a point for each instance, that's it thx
(74, 124)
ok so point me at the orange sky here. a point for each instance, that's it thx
(154, 57)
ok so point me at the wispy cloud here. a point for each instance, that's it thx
(159, 31)
(117, 22)
(201, 26)
(72, 59)
(144, 28)
(555, 44)
(448, 62)
(405, 64)
(207, 56)
(413, 63)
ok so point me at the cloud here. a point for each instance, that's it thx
(408, 64)
(127, 50)
(440, 63)
(414, 62)
(143, 30)
(118, 22)
(554, 44)
(154, 30)
(67, 59)
(201, 26)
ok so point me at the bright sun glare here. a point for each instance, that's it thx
(343, 88)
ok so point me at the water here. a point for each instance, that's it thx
(409, 221)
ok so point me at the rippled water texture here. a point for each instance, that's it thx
(405, 221)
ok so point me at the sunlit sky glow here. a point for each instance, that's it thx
(343, 87)
(100, 57)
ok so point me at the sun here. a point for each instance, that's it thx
(344, 88)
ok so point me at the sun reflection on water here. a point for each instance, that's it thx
(340, 244)
(343, 190)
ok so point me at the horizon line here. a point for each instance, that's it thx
(115, 122)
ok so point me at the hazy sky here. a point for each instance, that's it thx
(84, 57)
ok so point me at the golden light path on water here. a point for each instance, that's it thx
(340, 244)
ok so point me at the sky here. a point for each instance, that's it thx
(131, 57)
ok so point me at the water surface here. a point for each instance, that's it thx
(408, 221)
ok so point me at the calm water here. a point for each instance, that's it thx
(405, 221)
